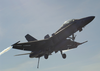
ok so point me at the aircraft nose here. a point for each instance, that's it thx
(87, 20)
(92, 17)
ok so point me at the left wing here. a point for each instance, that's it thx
(30, 46)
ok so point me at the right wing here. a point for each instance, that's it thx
(30, 38)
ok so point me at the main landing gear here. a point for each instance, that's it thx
(46, 56)
(80, 29)
(63, 55)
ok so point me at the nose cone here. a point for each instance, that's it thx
(92, 17)
(87, 20)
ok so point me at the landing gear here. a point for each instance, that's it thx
(80, 30)
(63, 55)
(46, 56)
(73, 37)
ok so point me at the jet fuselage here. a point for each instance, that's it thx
(58, 41)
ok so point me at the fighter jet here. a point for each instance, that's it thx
(59, 41)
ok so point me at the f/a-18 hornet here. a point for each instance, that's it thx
(63, 39)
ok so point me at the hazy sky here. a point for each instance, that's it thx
(41, 17)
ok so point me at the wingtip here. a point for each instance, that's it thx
(15, 43)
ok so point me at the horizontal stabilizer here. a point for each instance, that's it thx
(30, 38)
(83, 42)
(23, 54)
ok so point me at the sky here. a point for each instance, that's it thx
(41, 17)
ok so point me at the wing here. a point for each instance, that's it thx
(30, 46)
(30, 38)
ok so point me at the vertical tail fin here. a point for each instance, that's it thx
(30, 38)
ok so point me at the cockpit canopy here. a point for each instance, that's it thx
(68, 22)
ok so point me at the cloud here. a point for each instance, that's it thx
(1, 33)
(91, 67)
(96, 57)
(77, 66)
(22, 67)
